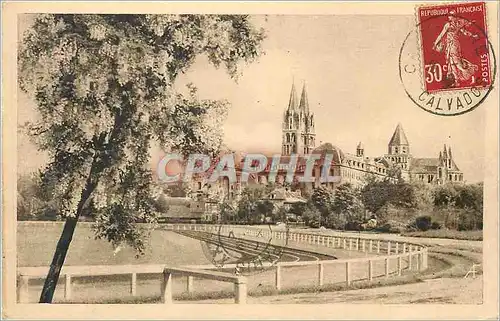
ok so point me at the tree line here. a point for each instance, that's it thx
(396, 206)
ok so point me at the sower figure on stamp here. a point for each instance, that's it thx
(459, 68)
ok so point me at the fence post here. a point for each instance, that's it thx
(350, 244)
(344, 243)
(378, 246)
(348, 273)
(424, 259)
(189, 283)
(320, 274)
(404, 248)
(133, 284)
(357, 244)
(400, 265)
(370, 270)
(370, 248)
(418, 261)
(386, 267)
(388, 247)
(397, 247)
(23, 289)
(166, 287)
(240, 289)
(278, 277)
(67, 287)
(363, 243)
(409, 261)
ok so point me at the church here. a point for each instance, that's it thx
(298, 137)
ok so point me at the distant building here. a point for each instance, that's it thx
(298, 137)
(298, 125)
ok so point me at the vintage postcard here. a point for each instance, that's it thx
(250, 160)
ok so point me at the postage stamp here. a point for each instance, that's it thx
(447, 63)
(454, 45)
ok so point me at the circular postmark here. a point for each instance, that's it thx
(245, 250)
(447, 71)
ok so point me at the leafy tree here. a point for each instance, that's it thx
(311, 214)
(347, 203)
(227, 211)
(103, 85)
(376, 194)
(253, 205)
(321, 199)
(470, 196)
(298, 208)
(445, 195)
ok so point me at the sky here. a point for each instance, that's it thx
(350, 67)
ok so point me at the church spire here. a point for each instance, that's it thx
(292, 103)
(449, 152)
(445, 153)
(304, 102)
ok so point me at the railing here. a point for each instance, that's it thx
(240, 282)
(68, 272)
(407, 256)
(360, 243)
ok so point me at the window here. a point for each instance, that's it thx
(397, 150)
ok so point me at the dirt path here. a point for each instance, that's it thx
(440, 291)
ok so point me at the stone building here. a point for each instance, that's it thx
(298, 137)
(298, 125)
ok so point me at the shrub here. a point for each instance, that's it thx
(423, 223)
(435, 226)
(391, 227)
(354, 226)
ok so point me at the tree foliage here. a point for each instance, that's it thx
(346, 205)
(103, 85)
(322, 199)
(253, 204)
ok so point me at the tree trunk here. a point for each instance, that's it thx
(52, 278)
(58, 260)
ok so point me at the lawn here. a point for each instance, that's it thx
(448, 234)
(36, 243)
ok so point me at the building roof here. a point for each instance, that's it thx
(327, 148)
(304, 102)
(424, 164)
(421, 165)
(292, 103)
(287, 196)
(399, 137)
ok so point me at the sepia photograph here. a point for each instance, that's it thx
(306, 163)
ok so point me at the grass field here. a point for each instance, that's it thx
(448, 234)
(36, 244)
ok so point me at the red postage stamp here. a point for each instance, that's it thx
(454, 46)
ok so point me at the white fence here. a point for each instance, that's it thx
(395, 257)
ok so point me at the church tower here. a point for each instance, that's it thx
(399, 149)
(298, 125)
